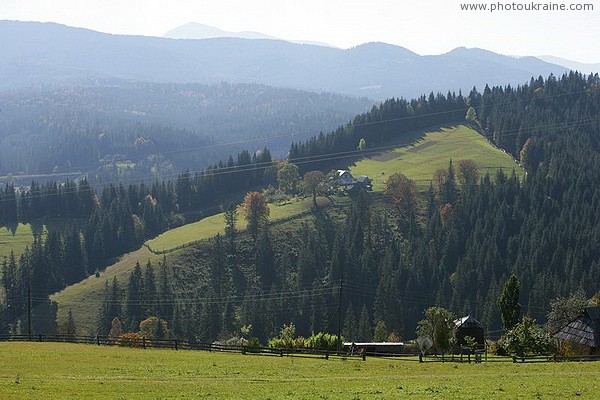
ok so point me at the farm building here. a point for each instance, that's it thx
(468, 326)
(349, 184)
(345, 177)
(584, 331)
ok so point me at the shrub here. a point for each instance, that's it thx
(322, 341)
(133, 339)
(526, 338)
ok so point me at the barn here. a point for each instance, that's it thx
(468, 326)
(584, 331)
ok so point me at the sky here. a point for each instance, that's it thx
(423, 26)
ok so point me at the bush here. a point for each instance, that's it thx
(526, 338)
(317, 341)
(131, 340)
(322, 341)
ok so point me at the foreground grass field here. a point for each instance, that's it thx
(420, 160)
(58, 371)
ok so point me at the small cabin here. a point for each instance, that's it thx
(344, 177)
(584, 331)
(468, 326)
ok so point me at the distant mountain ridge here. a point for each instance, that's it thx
(194, 30)
(48, 53)
(586, 68)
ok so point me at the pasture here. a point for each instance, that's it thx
(434, 150)
(57, 371)
(215, 224)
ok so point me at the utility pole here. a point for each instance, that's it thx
(339, 327)
(29, 309)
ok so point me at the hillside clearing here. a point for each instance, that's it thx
(51, 371)
(215, 224)
(85, 298)
(17, 237)
(420, 160)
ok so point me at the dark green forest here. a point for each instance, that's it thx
(119, 130)
(454, 248)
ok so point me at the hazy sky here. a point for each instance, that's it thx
(424, 26)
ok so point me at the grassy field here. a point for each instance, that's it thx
(84, 299)
(420, 160)
(211, 226)
(57, 371)
(15, 239)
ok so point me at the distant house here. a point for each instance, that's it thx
(468, 326)
(344, 177)
(584, 331)
(364, 182)
(349, 184)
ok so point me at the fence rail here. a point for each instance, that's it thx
(177, 344)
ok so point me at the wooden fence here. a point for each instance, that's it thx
(177, 344)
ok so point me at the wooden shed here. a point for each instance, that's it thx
(468, 326)
(584, 330)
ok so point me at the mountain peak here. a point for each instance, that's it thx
(195, 30)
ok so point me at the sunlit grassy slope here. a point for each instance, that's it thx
(15, 238)
(84, 299)
(211, 226)
(420, 160)
(61, 371)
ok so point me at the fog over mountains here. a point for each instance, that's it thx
(47, 53)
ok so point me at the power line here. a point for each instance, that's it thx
(351, 125)
(306, 160)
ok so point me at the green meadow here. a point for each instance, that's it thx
(215, 224)
(60, 371)
(434, 150)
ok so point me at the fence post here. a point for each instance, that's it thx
(40, 338)
(144, 342)
(327, 354)
(243, 349)
(420, 357)
(98, 339)
(364, 355)
(176, 348)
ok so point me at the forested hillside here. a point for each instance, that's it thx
(117, 129)
(454, 245)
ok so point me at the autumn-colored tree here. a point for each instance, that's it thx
(447, 214)
(154, 328)
(471, 116)
(468, 173)
(362, 144)
(440, 177)
(116, 329)
(313, 184)
(256, 212)
(402, 192)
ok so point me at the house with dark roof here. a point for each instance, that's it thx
(584, 331)
(468, 326)
(351, 185)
